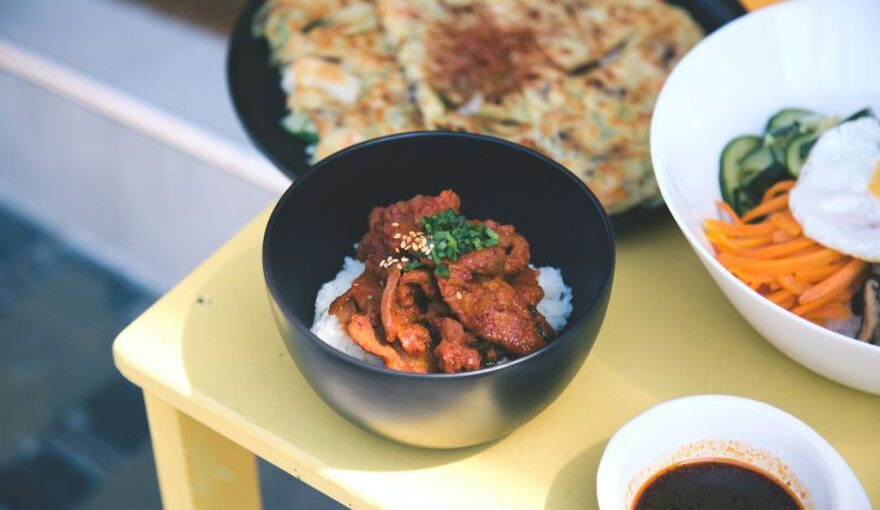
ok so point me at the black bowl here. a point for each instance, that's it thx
(322, 215)
(254, 86)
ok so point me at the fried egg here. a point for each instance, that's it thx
(837, 196)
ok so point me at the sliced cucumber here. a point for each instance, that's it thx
(742, 202)
(731, 175)
(752, 164)
(755, 185)
(758, 161)
(864, 112)
(788, 117)
(797, 151)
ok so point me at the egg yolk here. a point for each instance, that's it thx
(874, 186)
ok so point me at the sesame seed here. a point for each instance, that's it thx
(458, 295)
(397, 235)
(404, 259)
(395, 224)
(403, 244)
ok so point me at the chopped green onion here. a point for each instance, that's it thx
(451, 235)
(409, 266)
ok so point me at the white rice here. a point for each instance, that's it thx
(556, 306)
(326, 325)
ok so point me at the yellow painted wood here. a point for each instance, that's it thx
(198, 468)
(210, 348)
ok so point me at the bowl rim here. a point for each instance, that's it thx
(603, 289)
(841, 480)
(664, 179)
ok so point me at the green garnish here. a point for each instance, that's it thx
(451, 235)
(442, 270)
(415, 264)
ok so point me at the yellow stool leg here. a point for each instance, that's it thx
(198, 468)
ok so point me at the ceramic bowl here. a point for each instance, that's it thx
(732, 428)
(809, 53)
(321, 216)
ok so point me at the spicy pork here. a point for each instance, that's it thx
(441, 293)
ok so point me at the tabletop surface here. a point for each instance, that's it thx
(210, 348)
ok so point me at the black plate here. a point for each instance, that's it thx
(260, 103)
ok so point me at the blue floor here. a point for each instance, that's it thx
(73, 434)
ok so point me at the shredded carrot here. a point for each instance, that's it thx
(773, 257)
(780, 296)
(752, 278)
(838, 281)
(788, 303)
(781, 236)
(808, 250)
(738, 244)
(842, 296)
(786, 223)
(724, 206)
(778, 189)
(783, 249)
(780, 266)
(778, 203)
(817, 274)
(757, 230)
(833, 310)
(789, 283)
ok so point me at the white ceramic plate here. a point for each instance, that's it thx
(816, 54)
(718, 426)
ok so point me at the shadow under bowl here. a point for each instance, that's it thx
(317, 221)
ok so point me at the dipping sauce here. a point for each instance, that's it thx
(714, 485)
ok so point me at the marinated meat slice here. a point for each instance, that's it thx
(436, 309)
(482, 304)
(363, 297)
(362, 332)
(400, 321)
(488, 261)
(416, 286)
(515, 246)
(526, 284)
(453, 353)
(492, 308)
(541, 324)
(410, 212)
(509, 257)
(390, 227)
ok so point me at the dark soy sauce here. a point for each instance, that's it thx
(714, 485)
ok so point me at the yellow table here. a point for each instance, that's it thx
(219, 384)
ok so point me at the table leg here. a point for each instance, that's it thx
(198, 468)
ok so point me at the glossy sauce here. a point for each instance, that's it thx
(714, 485)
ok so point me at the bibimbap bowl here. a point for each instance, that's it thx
(317, 221)
(808, 53)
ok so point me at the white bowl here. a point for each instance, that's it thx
(718, 426)
(816, 54)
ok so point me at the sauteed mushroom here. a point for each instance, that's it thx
(869, 303)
